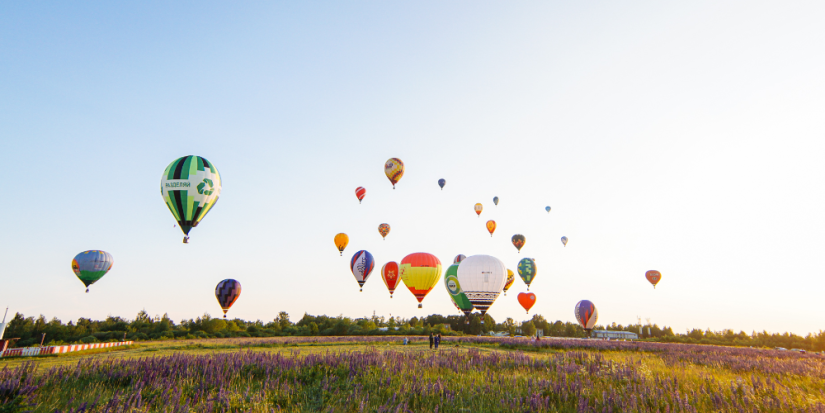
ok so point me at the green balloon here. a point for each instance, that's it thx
(527, 270)
(454, 288)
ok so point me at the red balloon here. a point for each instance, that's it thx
(360, 192)
(527, 300)
(653, 277)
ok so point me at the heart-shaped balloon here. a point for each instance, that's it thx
(527, 300)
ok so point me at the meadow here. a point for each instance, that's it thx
(380, 374)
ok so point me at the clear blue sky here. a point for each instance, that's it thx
(681, 136)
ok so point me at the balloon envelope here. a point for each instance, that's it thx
(442, 182)
(586, 314)
(526, 300)
(518, 241)
(547, 208)
(491, 227)
(361, 265)
(495, 200)
(478, 208)
(511, 278)
(90, 266)
(460, 299)
(458, 258)
(527, 270)
(190, 186)
(360, 192)
(341, 241)
(227, 292)
(384, 229)
(653, 277)
(420, 272)
(394, 169)
(482, 279)
(389, 274)
(564, 241)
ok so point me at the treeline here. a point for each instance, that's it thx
(30, 330)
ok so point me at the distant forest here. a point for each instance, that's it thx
(29, 330)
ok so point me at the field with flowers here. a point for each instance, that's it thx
(379, 374)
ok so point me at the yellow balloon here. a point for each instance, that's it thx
(341, 241)
(420, 272)
(478, 209)
(394, 169)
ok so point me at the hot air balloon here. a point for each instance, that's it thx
(389, 273)
(190, 186)
(495, 200)
(527, 271)
(341, 241)
(482, 278)
(384, 229)
(394, 169)
(491, 227)
(90, 266)
(458, 258)
(360, 192)
(526, 300)
(458, 297)
(227, 292)
(478, 209)
(442, 182)
(518, 241)
(420, 272)
(511, 278)
(653, 276)
(564, 241)
(547, 208)
(586, 315)
(361, 265)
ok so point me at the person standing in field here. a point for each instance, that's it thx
(437, 340)
(431, 341)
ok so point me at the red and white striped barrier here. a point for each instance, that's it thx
(38, 351)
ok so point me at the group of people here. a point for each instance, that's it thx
(435, 339)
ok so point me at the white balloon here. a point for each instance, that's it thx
(482, 278)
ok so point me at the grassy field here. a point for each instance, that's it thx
(379, 374)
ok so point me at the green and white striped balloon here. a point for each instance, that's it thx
(190, 186)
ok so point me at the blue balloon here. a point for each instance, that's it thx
(547, 208)
(442, 182)
(586, 314)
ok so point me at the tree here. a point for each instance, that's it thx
(528, 329)
(283, 320)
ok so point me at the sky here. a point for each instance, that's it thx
(685, 137)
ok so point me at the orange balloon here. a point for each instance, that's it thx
(491, 226)
(527, 300)
(653, 276)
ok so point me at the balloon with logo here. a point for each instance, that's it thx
(341, 240)
(227, 292)
(653, 277)
(90, 266)
(384, 229)
(190, 186)
(495, 200)
(511, 278)
(527, 271)
(458, 258)
(586, 315)
(389, 274)
(547, 208)
(361, 265)
(458, 297)
(442, 182)
(394, 169)
(420, 272)
(518, 241)
(491, 227)
(360, 192)
(564, 241)
(482, 278)
(478, 208)
(527, 300)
